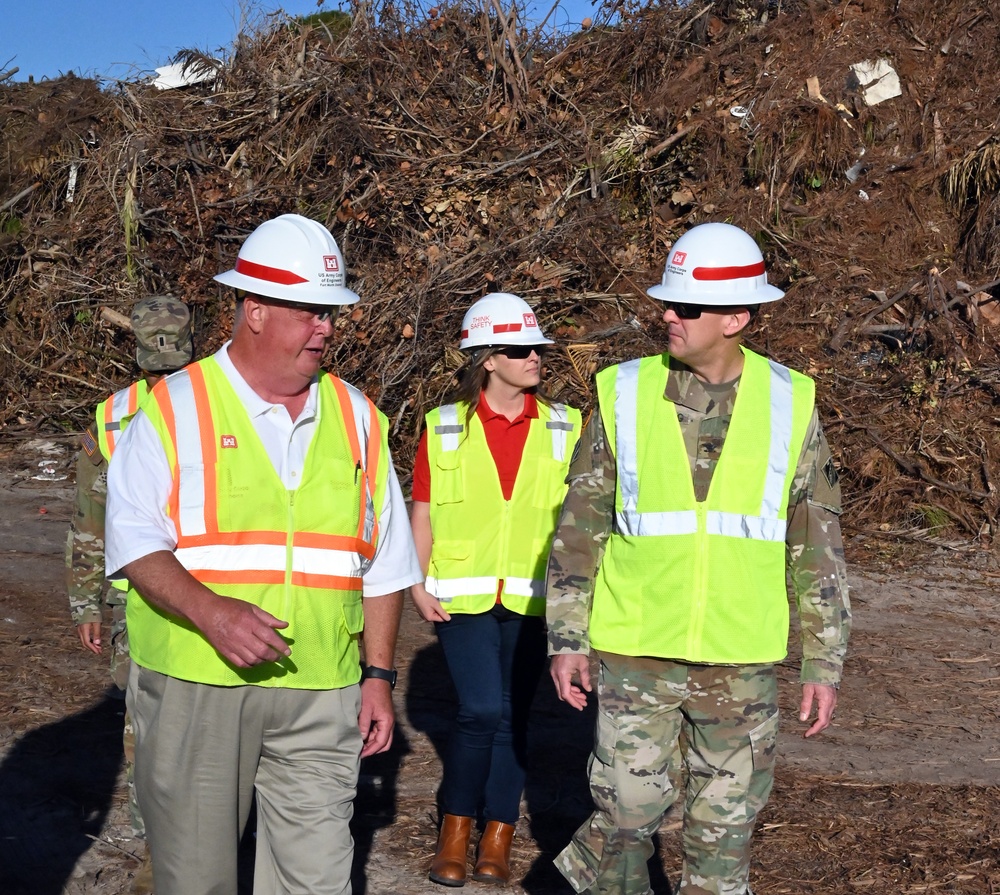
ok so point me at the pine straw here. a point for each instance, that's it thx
(459, 153)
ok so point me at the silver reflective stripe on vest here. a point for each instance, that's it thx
(781, 441)
(119, 409)
(630, 520)
(448, 589)
(190, 461)
(270, 557)
(733, 525)
(561, 427)
(524, 587)
(767, 526)
(362, 425)
(450, 428)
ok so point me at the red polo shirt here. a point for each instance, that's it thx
(506, 439)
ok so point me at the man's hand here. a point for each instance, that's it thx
(825, 698)
(563, 669)
(90, 636)
(245, 635)
(377, 717)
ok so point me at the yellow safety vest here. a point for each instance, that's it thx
(699, 581)
(298, 554)
(479, 537)
(114, 414)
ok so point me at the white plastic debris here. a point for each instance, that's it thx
(170, 77)
(877, 80)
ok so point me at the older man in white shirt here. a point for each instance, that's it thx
(254, 508)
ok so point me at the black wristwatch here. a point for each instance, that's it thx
(383, 674)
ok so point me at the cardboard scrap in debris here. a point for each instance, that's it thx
(877, 80)
(812, 85)
(180, 74)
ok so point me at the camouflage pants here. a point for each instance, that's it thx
(658, 720)
(120, 664)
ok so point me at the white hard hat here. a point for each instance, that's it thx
(715, 264)
(291, 258)
(500, 318)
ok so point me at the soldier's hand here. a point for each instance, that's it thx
(90, 636)
(244, 634)
(825, 697)
(564, 668)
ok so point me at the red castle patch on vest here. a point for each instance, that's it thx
(227, 441)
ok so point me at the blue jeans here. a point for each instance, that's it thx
(496, 659)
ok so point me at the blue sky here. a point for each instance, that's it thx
(116, 39)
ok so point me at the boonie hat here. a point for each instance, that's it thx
(162, 327)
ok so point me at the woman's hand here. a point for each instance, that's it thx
(428, 606)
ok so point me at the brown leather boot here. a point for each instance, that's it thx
(449, 865)
(142, 882)
(493, 860)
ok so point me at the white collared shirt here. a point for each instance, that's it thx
(139, 483)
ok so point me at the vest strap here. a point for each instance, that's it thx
(450, 428)
(561, 427)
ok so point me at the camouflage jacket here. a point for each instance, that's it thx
(814, 547)
(85, 548)
(85, 582)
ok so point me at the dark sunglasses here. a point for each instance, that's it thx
(520, 352)
(684, 310)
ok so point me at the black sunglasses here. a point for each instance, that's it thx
(520, 352)
(684, 310)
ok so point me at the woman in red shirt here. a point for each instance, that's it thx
(488, 484)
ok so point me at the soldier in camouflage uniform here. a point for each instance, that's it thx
(162, 328)
(657, 565)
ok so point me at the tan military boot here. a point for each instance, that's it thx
(142, 882)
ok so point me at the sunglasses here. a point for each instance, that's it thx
(303, 313)
(684, 310)
(520, 352)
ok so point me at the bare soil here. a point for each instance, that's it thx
(898, 797)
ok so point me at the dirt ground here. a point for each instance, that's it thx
(898, 797)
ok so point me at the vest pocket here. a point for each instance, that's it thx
(550, 484)
(449, 559)
(447, 485)
(354, 615)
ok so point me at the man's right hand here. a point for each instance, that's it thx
(245, 635)
(564, 668)
(90, 636)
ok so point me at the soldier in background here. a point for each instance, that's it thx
(162, 328)
(701, 481)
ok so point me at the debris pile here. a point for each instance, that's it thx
(458, 151)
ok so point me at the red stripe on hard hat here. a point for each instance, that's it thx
(728, 273)
(465, 334)
(506, 328)
(271, 274)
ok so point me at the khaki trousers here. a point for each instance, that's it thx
(200, 754)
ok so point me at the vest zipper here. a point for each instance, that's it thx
(697, 621)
